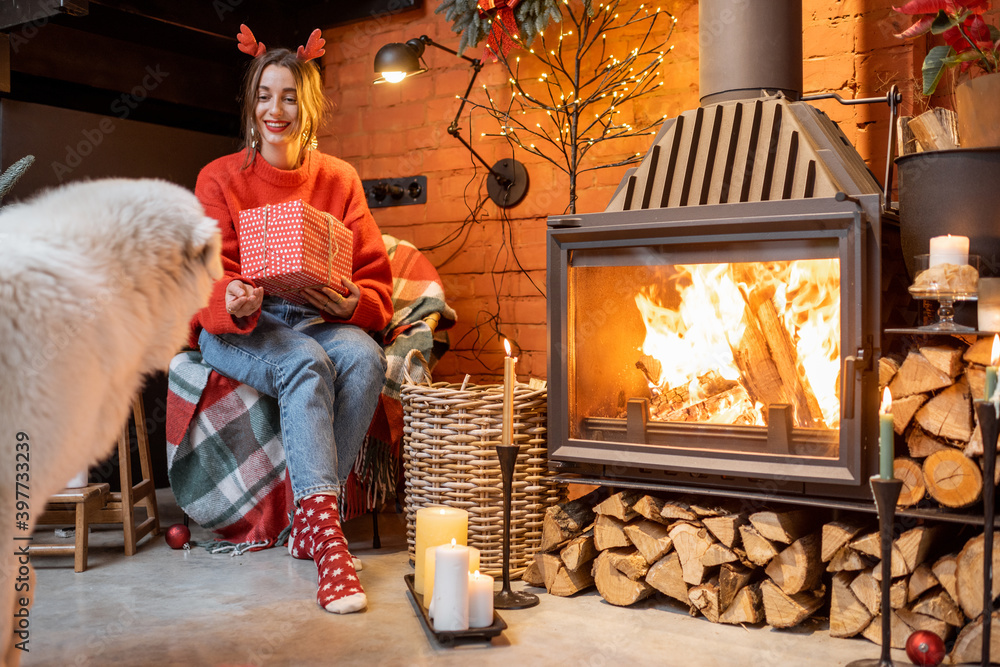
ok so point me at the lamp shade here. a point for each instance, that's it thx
(393, 62)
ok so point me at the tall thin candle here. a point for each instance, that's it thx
(991, 370)
(507, 429)
(885, 438)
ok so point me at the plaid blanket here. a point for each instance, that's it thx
(224, 455)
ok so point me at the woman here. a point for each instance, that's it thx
(318, 360)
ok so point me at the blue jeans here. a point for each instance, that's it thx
(326, 378)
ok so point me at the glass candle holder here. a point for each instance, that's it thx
(946, 283)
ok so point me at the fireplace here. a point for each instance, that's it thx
(716, 326)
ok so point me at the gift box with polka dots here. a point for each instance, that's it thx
(285, 247)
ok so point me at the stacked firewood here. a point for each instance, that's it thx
(736, 565)
(933, 413)
(942, 594)
(728, 565)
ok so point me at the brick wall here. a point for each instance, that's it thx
(400, 130)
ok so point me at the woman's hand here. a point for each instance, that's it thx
(242, 300)
(330, 301)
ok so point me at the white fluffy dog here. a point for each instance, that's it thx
(98, 283)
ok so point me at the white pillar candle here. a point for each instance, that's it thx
(451, 588)
(949, 250)
(436, 525)
(429, 572)
(480, 600)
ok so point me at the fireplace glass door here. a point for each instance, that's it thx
(713, 350)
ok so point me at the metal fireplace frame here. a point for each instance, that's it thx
(662, 453)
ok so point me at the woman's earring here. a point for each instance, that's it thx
(254, 139)
(309, 140)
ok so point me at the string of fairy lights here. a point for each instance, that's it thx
(574, 85)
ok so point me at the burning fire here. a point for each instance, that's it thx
(724, 341)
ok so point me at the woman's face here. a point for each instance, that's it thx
(277, 110)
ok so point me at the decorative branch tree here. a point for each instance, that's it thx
(584, 85)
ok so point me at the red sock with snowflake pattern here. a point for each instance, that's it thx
(300, 540)
(339, 590)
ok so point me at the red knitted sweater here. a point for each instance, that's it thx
(324, 182)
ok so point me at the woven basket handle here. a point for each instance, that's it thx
(413, 358)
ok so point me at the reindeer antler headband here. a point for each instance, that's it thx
(249, 45)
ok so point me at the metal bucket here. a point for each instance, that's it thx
(951, 192)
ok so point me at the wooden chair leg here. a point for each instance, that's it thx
(125, 474)
(146, 465)
(376, 539)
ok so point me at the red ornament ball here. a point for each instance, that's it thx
(177, 536)
(925, 648)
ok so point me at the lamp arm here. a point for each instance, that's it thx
(501, 179)
(430, 42)
(510, 184)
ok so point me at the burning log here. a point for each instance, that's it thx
(759, 373)
(785, 357)
(703, 410)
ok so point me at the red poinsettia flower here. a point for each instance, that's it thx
(968, 39)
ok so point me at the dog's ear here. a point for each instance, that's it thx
(206, 248)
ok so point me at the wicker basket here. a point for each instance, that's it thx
(449, 458)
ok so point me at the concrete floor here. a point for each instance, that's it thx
(165, 607)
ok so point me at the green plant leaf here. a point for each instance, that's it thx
(942, 23)
(964, 56)
(934, 65)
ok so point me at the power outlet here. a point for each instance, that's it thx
(404, 191)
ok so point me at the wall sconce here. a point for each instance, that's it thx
(394, 62)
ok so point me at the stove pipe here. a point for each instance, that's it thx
(749, 46)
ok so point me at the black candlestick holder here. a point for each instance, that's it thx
(986, 412)
(886, 493)
(507, 598)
